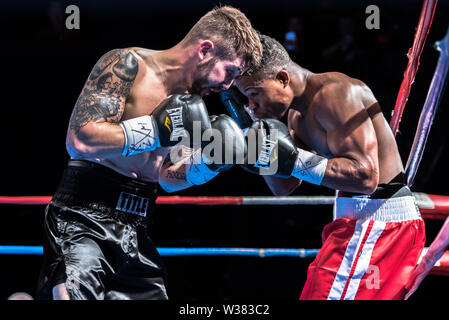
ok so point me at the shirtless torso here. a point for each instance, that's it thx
(334, 116)
(340, 116)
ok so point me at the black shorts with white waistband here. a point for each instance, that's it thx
(96, 237)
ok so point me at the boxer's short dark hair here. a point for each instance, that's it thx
(231, 32)
(274, 59)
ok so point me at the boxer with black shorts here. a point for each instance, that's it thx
(135, 106)
(335, 135)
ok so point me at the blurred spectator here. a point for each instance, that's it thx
(345, 45)
(56, 14)
(294, 40)
(293, 34)
(327, 4)
(343, 54)
(54, 27)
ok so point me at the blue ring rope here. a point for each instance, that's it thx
(169, 252)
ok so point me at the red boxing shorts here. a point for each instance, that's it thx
(369, 251)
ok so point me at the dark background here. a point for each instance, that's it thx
(44, 66)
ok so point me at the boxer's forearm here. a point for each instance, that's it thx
(350, 175)
(96, 140)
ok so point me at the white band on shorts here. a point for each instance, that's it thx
(141, 134)
(386, 210)
(309, 167)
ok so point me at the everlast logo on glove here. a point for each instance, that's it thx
(177, 127)
(262, 151)
(263, 161)
(167, 123)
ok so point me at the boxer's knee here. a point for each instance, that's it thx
(60, 292)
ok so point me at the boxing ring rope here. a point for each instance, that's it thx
(226, 200)
(171, 252)
(430, 109)
(431, 206)
(414, 53)
(440, 268)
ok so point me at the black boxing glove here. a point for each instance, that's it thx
(226, 149)
(175, 118)
(235, 102)
(271, 151)
(228, 146)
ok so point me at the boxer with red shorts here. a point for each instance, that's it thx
(370, 249)
(333, 133)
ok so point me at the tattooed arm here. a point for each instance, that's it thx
(94, 129)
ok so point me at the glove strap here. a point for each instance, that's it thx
(309, 167)
(141, 134)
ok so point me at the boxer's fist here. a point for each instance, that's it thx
(277, 155)
(222, 155)
(270, 150)
(176, 116)
(226, 147)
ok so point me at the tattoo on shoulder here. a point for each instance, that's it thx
(106, 90)
(126, 68)
(104, 62)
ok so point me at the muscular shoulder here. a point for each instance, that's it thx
(334, 84)
(107, 89)
(122, 62)
(142, 53)
(345, 88)
(117, 68)
(338, 99)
